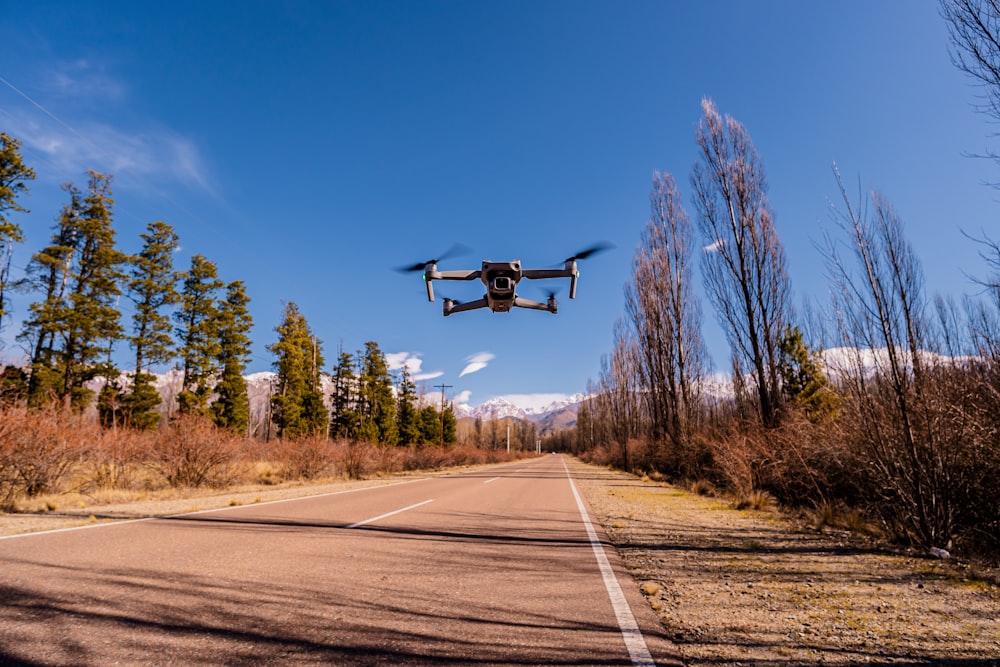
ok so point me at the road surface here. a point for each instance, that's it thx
(500, 566)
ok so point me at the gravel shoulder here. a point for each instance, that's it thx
(755, 588)
(729, 587)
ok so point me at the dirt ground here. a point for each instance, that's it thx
(730, 587)
(755, 588)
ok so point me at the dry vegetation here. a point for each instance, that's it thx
(53, 459)
(755, 587)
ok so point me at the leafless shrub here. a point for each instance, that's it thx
(424, 458)
(354, 458)
(191, 451)
(306, 458)
(37, 450)
(115, 457)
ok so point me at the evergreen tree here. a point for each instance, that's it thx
(153, 288)
(449, 426)
(802, 377)
(13, 174)
(197, 318)
(430, 425)
(298, 408)
(48, 272)
(343, 409)
(232, 409)
(378, 405)
(406, 411)
(79, 322)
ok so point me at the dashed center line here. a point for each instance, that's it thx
(491, 480)
(388, 514)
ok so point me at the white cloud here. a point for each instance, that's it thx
(413, 363)
(713, 247)
(477, 362)
(462, 397)
(144, 155)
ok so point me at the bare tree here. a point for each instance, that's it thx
(744, 259)
(974, 30)
(899, 389)
(668, 351)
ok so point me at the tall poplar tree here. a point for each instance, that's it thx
(297, 408)
(744, 262)
(13, 175)
(666, 320)
(197, 332)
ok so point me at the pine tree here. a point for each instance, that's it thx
(197, 318)
(429, 422)
(13, 174)
(153, 288)
(232, 409)
(78, 323)
(802, 377)
(343, 409)
(378, 405)
(298, 407)
(449, 426)
(406, 411)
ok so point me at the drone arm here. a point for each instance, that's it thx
(543, 274)
(452, 307)
(569, 271)
(455, 275)
(535, 305)
(431, 274)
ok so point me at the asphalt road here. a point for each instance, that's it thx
(500, 566)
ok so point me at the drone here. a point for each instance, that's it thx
(501, 279)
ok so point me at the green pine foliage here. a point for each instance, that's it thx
(378, 404)
(406, 411)
(802, 377)
(152, 287)
(344, 416)
(197, 331)
(232, 408)
(297, 408)
(77, 323)
(13, 176)
(429, 421)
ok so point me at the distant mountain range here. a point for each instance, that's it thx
(260, 387)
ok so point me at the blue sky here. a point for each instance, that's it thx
(308, 148)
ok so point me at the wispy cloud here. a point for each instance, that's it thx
(477, 362)
(144, 155)
(413, 363)
(713, 247)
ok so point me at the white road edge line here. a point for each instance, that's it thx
(634, 641)
(388, 514)
(491, 480)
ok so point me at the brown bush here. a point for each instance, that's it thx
(309, 457)
(37, 450)
(191, 451)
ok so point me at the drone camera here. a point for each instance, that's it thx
(503, 284)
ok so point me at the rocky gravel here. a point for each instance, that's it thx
(757, 588)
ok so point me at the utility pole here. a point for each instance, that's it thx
(442, 387)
